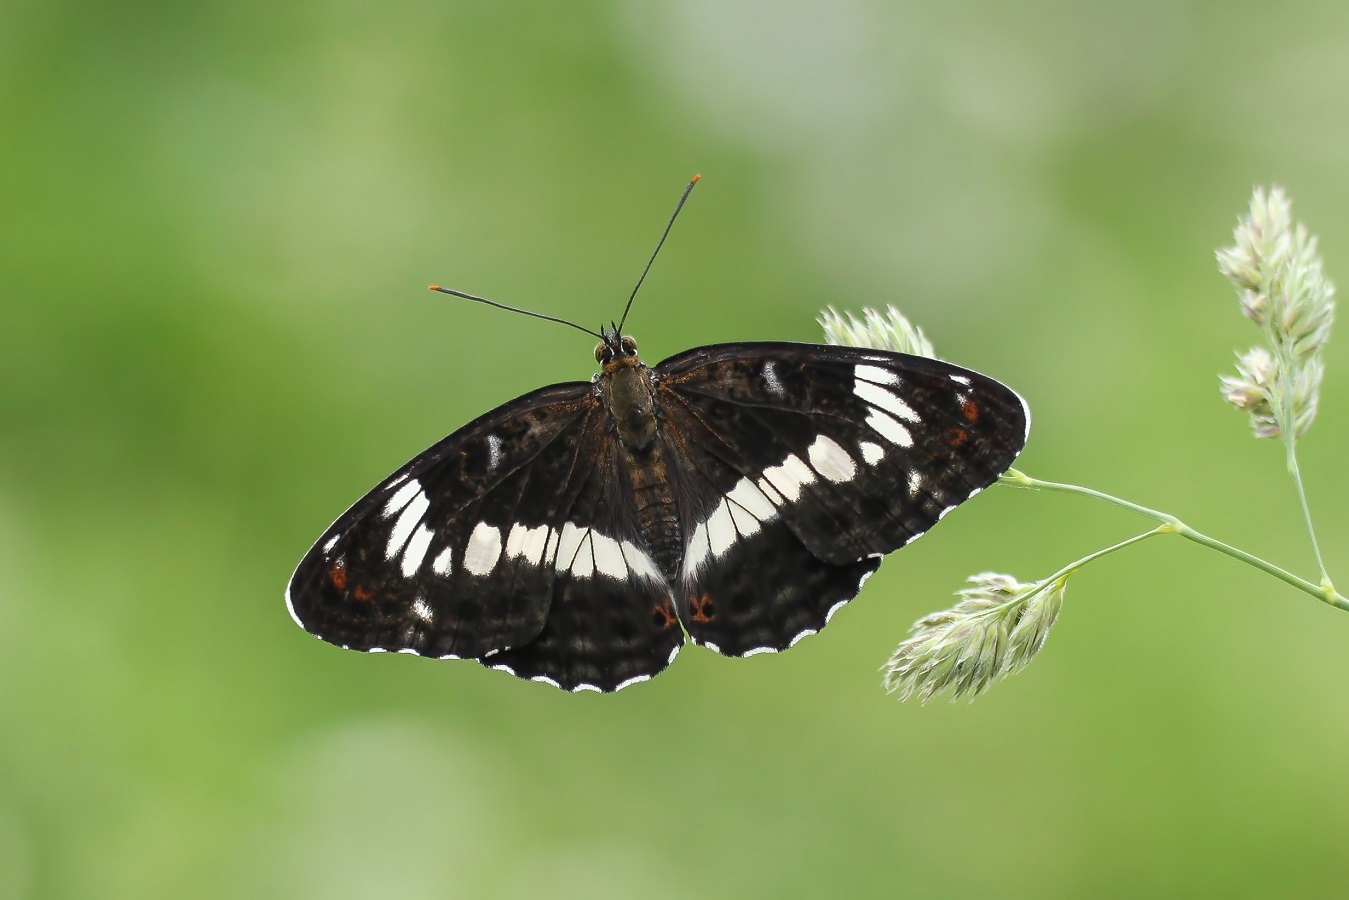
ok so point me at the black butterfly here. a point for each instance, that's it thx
(739, 493)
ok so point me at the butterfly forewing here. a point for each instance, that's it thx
(861, 451)
(450, 556)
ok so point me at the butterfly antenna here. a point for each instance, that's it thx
(514, 309)
(666, 233)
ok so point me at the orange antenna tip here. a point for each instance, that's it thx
(433, 287)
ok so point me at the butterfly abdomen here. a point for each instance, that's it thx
(656, 510)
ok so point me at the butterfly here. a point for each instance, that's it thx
(735, 494)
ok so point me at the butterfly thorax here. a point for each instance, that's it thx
(629, 395)
(626, 384)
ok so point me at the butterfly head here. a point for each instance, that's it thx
(616, 352)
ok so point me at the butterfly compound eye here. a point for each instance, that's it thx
(601, 351)
(629, 346)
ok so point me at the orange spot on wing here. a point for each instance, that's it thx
(362, 592)
(663, 615)
(703, 610)
(970, 410)
(337, 574)
(957, 436)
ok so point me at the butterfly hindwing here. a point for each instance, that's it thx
(748, 584)
(611, 620)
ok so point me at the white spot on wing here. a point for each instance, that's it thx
(544, 679)
(416, 550)
(330, 543)
(483, 550)
(493, 452)
(741, 513)
(586, 687)
(408, 519)
(568, 543)
(441, 564)
(584, 553)
(915, 482)
(960, 379)
(876, 375)
(872, 453)
(771, 380)
(886, 400)
(745, 522)
(400, 498)
(639, 563)
(583, 563)
(796, 640)
(835, 608)
(756, 651)
(720, 530)
(527, 543)
(697, 552)
(550, 545)
(889, 429)
(608, 557)
(788, 477)
(772, 494)
(747, 495)
(831, 460)
(422, 610)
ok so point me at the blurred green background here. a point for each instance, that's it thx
(218, 223)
